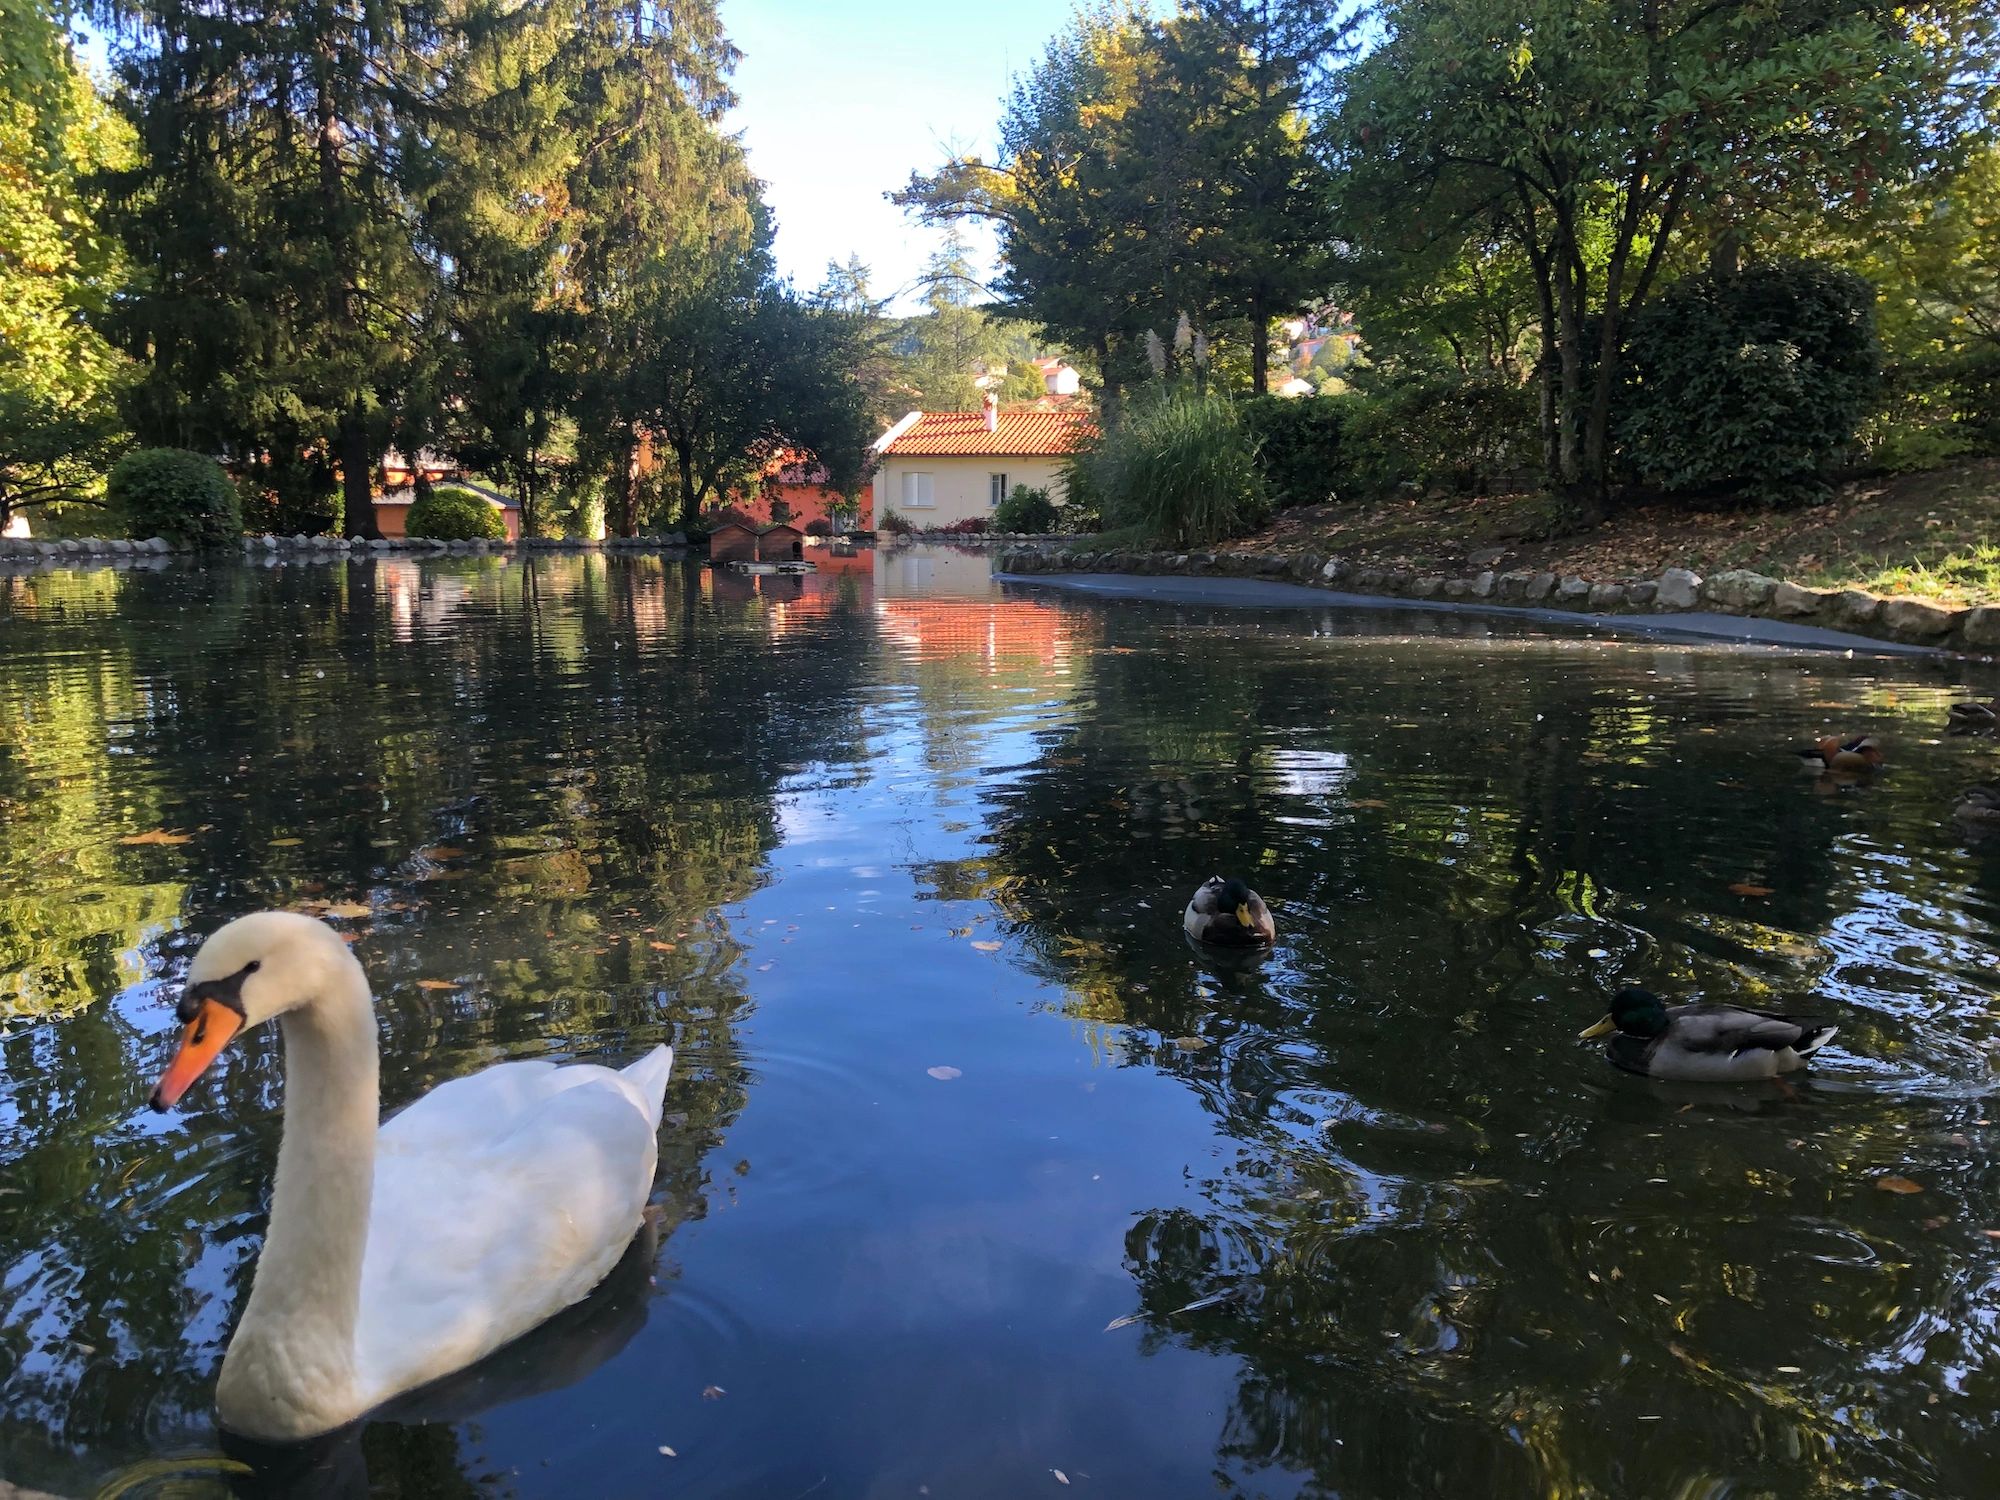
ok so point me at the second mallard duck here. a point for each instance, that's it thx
(1977, 811)
(1703, 1043)
(1230, 915)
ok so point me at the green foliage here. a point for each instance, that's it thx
(450, 514)
(1026, 510)
(894, 523)
(1182, 464)
(1153, 167)
(172, 493)
(1468, 435)
(59, 270)
(1753, 382)
(1299, 446)
(1582, 147)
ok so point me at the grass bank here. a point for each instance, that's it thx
(1933, 536)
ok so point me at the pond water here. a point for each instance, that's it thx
(895, 857)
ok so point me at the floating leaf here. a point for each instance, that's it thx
(944, 1073)
(661, 947)
(346, 910)
(1898, 1185)
(442, 851)
(712, 1393)
(437, 984)
(666, 1452)
(1745, 888)
(1191, 1043)
(1061, 1478)
(1125, 1322)
(1371, 802)
(987, 946)
(158, 836)
(286, 843)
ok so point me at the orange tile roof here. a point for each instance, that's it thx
(1020, 433)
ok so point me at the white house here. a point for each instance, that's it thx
(934, 468)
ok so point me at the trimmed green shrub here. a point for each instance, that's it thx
(1752, 383)
(1298, 446)
(172, 493)
(1182, 466)
(1465, 434)
(1025, 510)
(893, 523)
(450, 514)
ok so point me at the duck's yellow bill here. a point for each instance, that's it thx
(1243, 916)
(206, 1035)
(1603, 1028)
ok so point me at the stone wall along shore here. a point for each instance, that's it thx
(1737, 591)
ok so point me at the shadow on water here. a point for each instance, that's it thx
(897, 862)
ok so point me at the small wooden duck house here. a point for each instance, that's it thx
(781, 544)
(732, 541)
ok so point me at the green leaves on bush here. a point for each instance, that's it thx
(1750, 383)
(1468, 434)
(1025, 510)
(1182, 465)
(172, 493)
(450, 514)
(1298, 446)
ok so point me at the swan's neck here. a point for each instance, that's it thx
(293, 1356)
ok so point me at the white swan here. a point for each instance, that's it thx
(401, 1252)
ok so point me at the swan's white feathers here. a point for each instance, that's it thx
(500, 1199)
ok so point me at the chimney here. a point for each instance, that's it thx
(992, 405)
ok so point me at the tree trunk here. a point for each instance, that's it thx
(1260, 344)
(625, 520)
(357, 475)
(684, 455)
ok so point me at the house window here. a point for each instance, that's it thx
(917, 493)
(996, 488)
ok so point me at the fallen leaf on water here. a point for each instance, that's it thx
(1061, 1478)
(286, 843)
(442, 851)
(437, 984)
(666, 1452)
(1898, 1185)
(157, 836)
(346, 909)
(763, 967)
(1745, 888)
(1125, 1322)
(661, 947)
(944, 1073)
(712, 1393)
(1190, 1043)
(1367, 802)
(987, 947)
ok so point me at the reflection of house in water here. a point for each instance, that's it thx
(420, 600)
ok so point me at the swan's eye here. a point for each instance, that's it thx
(253, 966)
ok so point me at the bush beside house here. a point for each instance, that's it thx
(172, 493)
(449, 514)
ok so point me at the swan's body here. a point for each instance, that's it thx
(401, 1252)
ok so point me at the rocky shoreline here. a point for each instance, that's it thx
(1905, 621)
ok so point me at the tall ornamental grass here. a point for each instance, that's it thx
(1181, 467)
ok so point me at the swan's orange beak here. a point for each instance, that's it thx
(206, 1035)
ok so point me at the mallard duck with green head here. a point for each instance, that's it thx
(1972, 718)
(1228, 914)
(1704, 1043)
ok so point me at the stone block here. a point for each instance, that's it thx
(1982, 627)
(1738, 591)
(1607, 598)
(1790, 602)
(1678, 588)
(1917, 619)
(1481, 586)
(1573, 592)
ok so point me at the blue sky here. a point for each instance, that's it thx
(843, 99)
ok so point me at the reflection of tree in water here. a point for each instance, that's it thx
(1453, 1255)
(540, 803)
